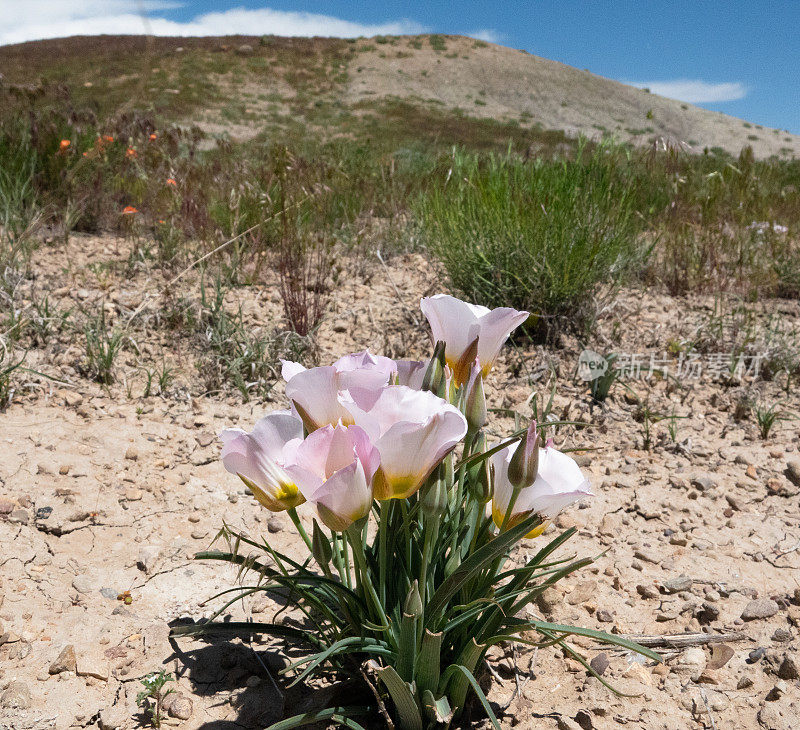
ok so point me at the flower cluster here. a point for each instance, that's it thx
(371, 428)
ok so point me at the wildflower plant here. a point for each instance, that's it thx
(408, 579)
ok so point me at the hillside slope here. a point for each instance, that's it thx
(243, 85)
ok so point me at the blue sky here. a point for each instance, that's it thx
(741, 58)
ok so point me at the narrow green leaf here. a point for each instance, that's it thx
(407, 647)
(339, 714)
(482, 697)
(438, 711)
(404, 702)
(480, 558)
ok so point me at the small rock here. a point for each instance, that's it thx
(721, 654)
(759, 608)
(708, 676)
(178, 705)
(148, 555)
(17, 696)
(199, 534)
(582, 592)
(109, 593)
(604, 616)
(113, 718)
(756, 655)
(274, 524)
(19, 517)
(744, 682)
(89, 666)
(65, 661)
(548, 600)
(793, 471)
(64, 469)
(600, 663)
(245, 50)
(707, 613)
(702, 482)
(83, 583)
(131, 453)
(775, 717)
(72, 399)
(649, 556)
(691, 661)
(782, 635)
(789, 668)
(647, 591)
(676, 585)
(778, 691)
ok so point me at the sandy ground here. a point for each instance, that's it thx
(103, 491)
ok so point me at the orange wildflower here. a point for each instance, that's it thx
(129, 210)
(64, 144)
(131, 152)
(108, 138)
(153, 137)
(171, 181)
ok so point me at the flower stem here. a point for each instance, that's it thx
(355, 537)
(299, 525)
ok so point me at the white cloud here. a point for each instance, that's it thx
(37, 19)
(694, 91)
(490, 35)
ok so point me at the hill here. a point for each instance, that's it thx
(450, 87)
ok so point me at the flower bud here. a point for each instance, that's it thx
(413, 604)
(475, 400)
(320, 546)
(480, 478)
(435, 379)
(434, 497)
(525, 462)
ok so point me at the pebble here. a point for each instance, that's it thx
(778, 691)
(83, 583)
(199, 534)
(274, 524)
(178, 705)
(760, 608)
(721, 654)
(648, 556)
(789, 668)
(89, 666)
(604, 616)
(782, 635)
(691, 661)
(113, 718)
(582, 592)
(109, 593)
(148, 555)
(744, 683)
(647, 591)
(676, 585)
(131, 453)
(65, 661)
(16, 695)
(19, 516)
(600, 663)
(756, 655)
(793, 471)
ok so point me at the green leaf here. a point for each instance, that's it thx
(438, 711)
(407, 647)
(475, 562)
(336, 714)
(404, 702)
(478, 691)
(429, 661)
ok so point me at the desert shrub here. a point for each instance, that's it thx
(542, 236)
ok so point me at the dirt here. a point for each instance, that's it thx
(104, 491)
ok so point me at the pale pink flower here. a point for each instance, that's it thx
(413, 431)
(334, 467)
(559, 482)
(257, 458)
(458, 324)
(314, 392)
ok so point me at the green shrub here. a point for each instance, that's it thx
(542, 236)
